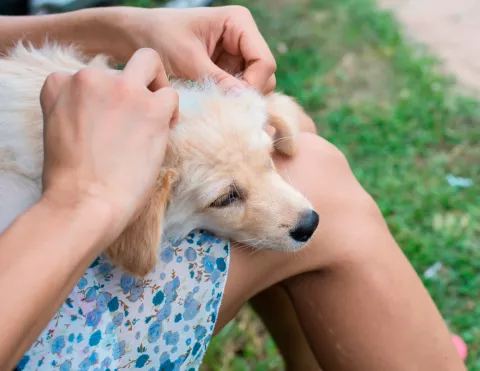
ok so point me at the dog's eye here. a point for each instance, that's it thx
(226, 199)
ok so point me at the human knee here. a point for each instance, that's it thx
(320, 150)
(328, 176)
(321, 171)
(318, 168)
(307, 125)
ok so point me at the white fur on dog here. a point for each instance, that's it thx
(219, 144)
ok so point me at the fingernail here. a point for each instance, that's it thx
(236, 91)
(237, 88)
(233, 86)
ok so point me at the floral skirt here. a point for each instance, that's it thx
(112, 321)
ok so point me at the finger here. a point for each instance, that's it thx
(242, 38)
(233, 64)
(257, 74)
(146, 67)
(204, 67)
(51, 90)
(168, 99)
(228, 82)
(270, 85)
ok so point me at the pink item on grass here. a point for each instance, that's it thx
(461, 346)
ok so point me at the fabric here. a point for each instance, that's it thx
(111, 321)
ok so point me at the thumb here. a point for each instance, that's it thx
(51, 89)
(205, 68)
(225, 80)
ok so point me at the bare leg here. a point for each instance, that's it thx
(359, 301)
(283, 324)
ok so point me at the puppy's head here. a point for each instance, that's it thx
(219, 176)
(226, 180)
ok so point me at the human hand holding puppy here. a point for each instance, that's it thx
(193, 43)
(99, 126)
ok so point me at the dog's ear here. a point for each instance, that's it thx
(136, 248)
(284, 115)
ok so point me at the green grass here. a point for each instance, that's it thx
(403, 127)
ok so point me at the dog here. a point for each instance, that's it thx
(218, 174)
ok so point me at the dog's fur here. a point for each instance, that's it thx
(218, 152)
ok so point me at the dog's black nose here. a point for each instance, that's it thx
(305, 227)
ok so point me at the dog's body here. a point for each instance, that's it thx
(218, 173)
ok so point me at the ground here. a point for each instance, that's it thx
(449, 29)
(407, 134)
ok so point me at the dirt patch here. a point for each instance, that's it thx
(358, 77)
(450, 30)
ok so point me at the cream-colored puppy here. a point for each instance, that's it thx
(218, 173)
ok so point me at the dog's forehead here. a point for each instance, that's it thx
(209, 102)
(223, 126)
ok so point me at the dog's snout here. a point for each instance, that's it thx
(305, 227)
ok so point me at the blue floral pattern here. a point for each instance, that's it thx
(113, 321)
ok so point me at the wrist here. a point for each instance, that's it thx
(134, 27)
(124, 30)
(95, 215)
(104, 31)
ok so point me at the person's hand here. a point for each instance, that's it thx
(218, 42)
(106, 133)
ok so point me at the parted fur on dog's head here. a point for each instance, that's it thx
(222, 176)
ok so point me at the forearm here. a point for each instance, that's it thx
(94, 31)
(43, 254)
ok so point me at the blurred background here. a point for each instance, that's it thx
(369, 75)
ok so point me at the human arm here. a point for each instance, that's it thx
(94, 120)
(43, 254)
(192, 43)
(95, 31)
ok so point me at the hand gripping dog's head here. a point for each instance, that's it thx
(219, 176)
